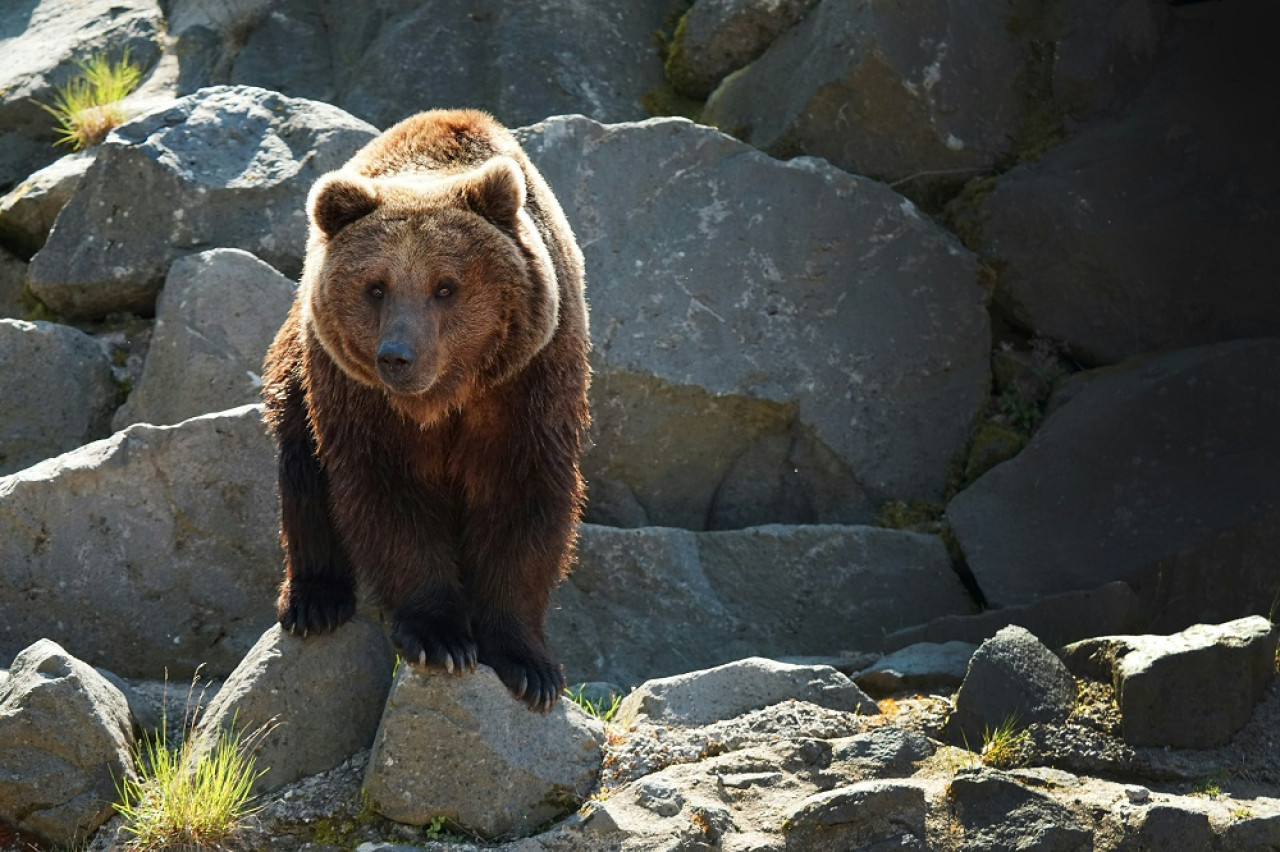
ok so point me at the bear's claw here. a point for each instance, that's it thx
(436, 643)
(306, 608)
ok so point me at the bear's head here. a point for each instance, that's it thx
(428, 288)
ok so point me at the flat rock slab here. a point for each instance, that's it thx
(1194, 689)
(997, 812)
(227, 166)
(816, 343)
(728, 691)
(1179, 445)
(922, 667)
(215, 318)
(153, 549)
(461, 747)
(65, 740)
(780, 591)
(876, 814)
(305, 705)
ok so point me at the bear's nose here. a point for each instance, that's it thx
(394, 357)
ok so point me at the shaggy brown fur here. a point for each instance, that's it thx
(427, 394)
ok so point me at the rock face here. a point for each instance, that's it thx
(154, 549)
(460, 747)
(383, 62)
(775, 590)
(57, 390)
(774, 342)
(728, 691)
(65, 737)
(999, 813)
(215, 318)
(1012, 677)
(13, 277)
(1194, 689)
(869, 814)
(227, 166)
(28, 211)
(885, 90)
(1177, 445)
(717, 37)
(317, 701)
(42, 40)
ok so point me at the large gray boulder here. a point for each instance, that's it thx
(1140, 463)
(152, 550)
(383, 61)
(994, 811)
(303, 705)
(717, 37)
(893, 91)
(65, 740)
(215, 318)
(728, 691)
(868, 814)
(461, 747)
(57, 389)
(1194, 689)
(777, 591)
(227, 166)
(27, 211)
(41, 42)
(773, 342)
(1165, 240)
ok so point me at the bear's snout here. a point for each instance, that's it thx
(395, 361)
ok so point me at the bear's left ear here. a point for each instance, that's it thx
(339, 199)
(495, 191)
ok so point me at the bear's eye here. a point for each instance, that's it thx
(376, 291)
(446, 288)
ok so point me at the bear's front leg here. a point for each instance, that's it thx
(319, 589)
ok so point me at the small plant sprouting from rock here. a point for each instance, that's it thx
(87, 107)
(183, 799)
(605, 713)
(1003, 747)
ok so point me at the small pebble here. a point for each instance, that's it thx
(1137, 795)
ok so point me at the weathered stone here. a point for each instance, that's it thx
(1014, 678)
(153, 549)
(1194, 689)
(1104, 53)
(923, 667)
(461, 747)
(13, 278)
(1252, 832)
(817, 345)
(57, 390)
(1168, 826)
(875, 814)
(728, 691)
(305, 705)
(28, 210)
(717, 37)
(42, 41)
(885, 751)
(908, 93)
(776, 590)
(215, 318)
(997, 813)
(1176, 445)
(65, 737)
(1167, 239)
(227, 166)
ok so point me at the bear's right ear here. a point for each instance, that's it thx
(337, 200)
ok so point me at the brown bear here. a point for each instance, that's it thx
(428, 394)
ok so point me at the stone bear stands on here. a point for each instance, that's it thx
(428, 394)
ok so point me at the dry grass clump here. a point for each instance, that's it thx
(88, 107)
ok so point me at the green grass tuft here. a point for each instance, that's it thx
(599, 710)
(87, 107)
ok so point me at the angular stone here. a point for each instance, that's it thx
(461, 747)
(65, 738)
(816, 343)
(728, 691)
(1169, 826)
(28, 210)
(57, 389)
(13, 278)
(717, 37)
(1011, 677)
(1176, 445)
(1193, 689)
(215, 318)
(305, 705)
(998, 813)
(227, 166)
(884, 751)
(779, 591)
(922, 667)
(868, 814)
(152, 550)
(42, 42)
(898, 92)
